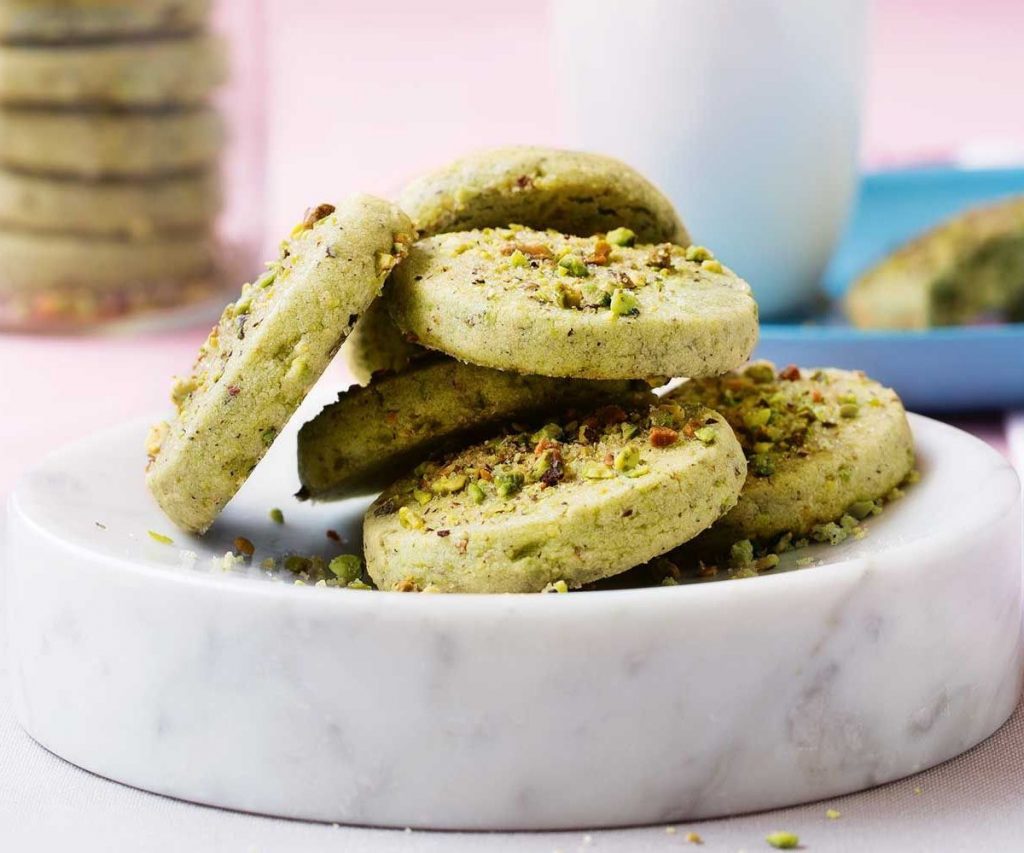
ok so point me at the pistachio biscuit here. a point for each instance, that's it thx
(36, 262)
(819, 443)
(58, 21)
(267, 351)
(968, 269)
(116, 144)
(371, 434)
(580, 498)
(587, 307)
(113, 74)
(126, 209)
(570, 191)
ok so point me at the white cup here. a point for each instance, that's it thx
(745, 112)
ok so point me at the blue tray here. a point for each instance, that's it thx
(946, 369)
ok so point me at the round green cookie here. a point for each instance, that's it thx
(34, 262)
(577, 500)
(966, 270)
(819, 443)
(100, 144)
(58, 21)
(125, 209)
(371, 434)
(267, 351)
(570, 191)
(544, 303)
(146, 74)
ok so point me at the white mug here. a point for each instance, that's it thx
(745, 112)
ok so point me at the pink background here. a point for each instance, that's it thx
(363, 95)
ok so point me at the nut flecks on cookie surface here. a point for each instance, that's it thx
(371, 434)
(580, 497)
(816, 441)
(268, 349)
(543, 302)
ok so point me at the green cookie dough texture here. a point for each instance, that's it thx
(371, 434)
(968, 269)
(267, 351)
(377, 345)
(41, 262)
(114, 74)
(576, 500)
(125, 209)
(58, 21)
(817, 442)
(570, 191)
(541, 302)
(100, 144)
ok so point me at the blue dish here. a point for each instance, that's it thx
(939, 370)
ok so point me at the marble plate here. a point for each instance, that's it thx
(150, 664)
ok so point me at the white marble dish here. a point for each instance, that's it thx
(901, 650)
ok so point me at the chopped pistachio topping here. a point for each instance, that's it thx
(698, 254)
(159, 537)
(346, 567)
(277, 516)
(574, 266)
(556, 586)
(623, 303)
(621, 237)
(783, 840)
(833, 814)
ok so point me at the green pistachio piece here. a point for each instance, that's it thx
(518, 259)
(713, 265)
(757, 418)
(849, 410)
(508, 484)
(620, 237)
(422, 497)
(476, 494)
(783, 840)
(698, 253)
(623, 303)
(574, 266)
(346, 567)
(741, 553)
(449, 485)
(410, 520)
(705, 434)
(627, 458)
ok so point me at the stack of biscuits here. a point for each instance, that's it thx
(515, 417)
(108, 158)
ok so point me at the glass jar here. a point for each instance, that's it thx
(132, 148)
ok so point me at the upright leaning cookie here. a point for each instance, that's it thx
(818, 444)
(570, 191)
(577, 500)
(968, 269)
(598, 308)
(267, 351)
(371, 434)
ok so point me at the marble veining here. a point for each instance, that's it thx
(528, 712)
